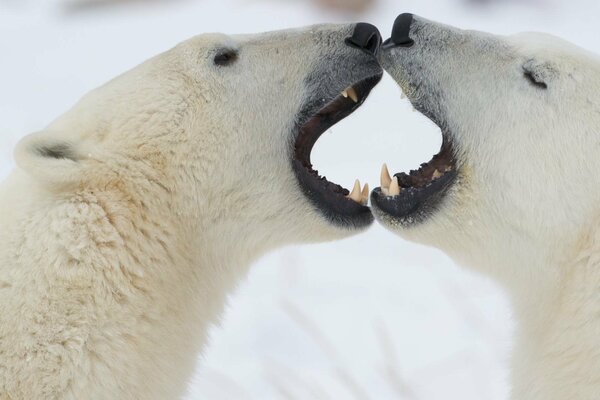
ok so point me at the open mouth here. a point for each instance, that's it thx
(338, 204)
(412, 197)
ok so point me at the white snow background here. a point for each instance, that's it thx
(371, 317)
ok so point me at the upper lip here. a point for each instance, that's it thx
(336, 202)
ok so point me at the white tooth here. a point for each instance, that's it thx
(386, 179)
(355, 194)
(365, 195)
(436, 174)
(352, 94)
(394, 188)
(345, 93)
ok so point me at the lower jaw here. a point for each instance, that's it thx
(414, 205)
(335, 208)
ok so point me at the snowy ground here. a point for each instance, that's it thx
(371, 317)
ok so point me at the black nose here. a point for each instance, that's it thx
(366, 37)
(401, 31)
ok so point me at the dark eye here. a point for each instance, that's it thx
(226, 57)
(534, 79)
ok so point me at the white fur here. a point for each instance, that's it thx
(526, 207)
(115, 259)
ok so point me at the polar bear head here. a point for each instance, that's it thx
(516, 181)
(219, 130)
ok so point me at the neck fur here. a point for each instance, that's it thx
(557, 354)
(134, 292)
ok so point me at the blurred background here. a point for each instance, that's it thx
(372, 317)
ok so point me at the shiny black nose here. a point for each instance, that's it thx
(401, 31)
(366, 37)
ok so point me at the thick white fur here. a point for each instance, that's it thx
(116, 258)
(526, 207)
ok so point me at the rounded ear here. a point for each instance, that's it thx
(50, 159)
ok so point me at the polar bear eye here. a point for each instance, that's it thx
(535, 76)
(534, 80)
(226, 57)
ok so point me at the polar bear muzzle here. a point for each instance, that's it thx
(410, 198)
(323, 110)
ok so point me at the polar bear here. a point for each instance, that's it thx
(131, 217)
(514, 191)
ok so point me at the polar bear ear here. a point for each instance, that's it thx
(49, 158)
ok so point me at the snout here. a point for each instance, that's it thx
(415, 40)
(365, 37)
(413, 34)
(401, 32)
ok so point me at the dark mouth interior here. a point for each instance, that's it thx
(436, 168)
(329, 197)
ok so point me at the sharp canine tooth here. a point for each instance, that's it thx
(386, 179)
(365, 195)
(394, 188)
(436, 174)
(352, 94)
(356, 194)
(345, 93)
(365, 191)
